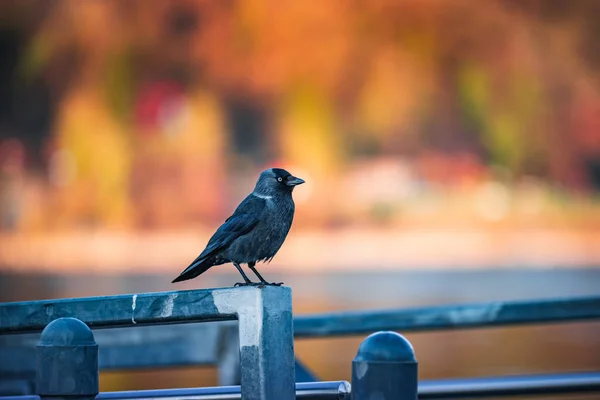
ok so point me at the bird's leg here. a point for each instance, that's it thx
(251, 266)
(247, 281)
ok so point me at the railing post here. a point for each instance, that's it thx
(67, 361)
(266, 339)
(385, 367)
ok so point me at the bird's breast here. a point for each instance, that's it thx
(265, 240)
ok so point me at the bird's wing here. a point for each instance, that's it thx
(243, 220)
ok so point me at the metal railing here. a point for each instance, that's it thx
(216, 343)
(196, 306)
(521, 385)
(336, 390)
(572, 383)
(491, 314)
(264, 317)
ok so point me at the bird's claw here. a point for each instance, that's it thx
(247, 284)
(258, 284)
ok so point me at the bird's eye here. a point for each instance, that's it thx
(279, 179)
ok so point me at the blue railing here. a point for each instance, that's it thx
(264, 321)
(449, 317)
(258, 351)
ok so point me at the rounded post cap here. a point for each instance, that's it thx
(66, 331)
(386, 346)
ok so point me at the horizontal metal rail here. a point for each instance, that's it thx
(151, 346)
(336, 390)
(117, 311)
(522, 385)
(549, 384)
(449, 317)
(120, 310)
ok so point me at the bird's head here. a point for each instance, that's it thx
(276, 180)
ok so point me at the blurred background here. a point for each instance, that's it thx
(451, 151)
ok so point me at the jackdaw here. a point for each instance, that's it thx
(255, 231)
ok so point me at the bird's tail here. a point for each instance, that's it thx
(196, 268)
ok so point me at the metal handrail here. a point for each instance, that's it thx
(478, 315)
(519, 385)
(335, 390)
(34, 315)
(522, 385)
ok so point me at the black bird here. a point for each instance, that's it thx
(255, 231)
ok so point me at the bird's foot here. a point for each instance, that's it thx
(247, 284)
(258, 284)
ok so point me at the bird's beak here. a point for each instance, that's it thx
(293, 181)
